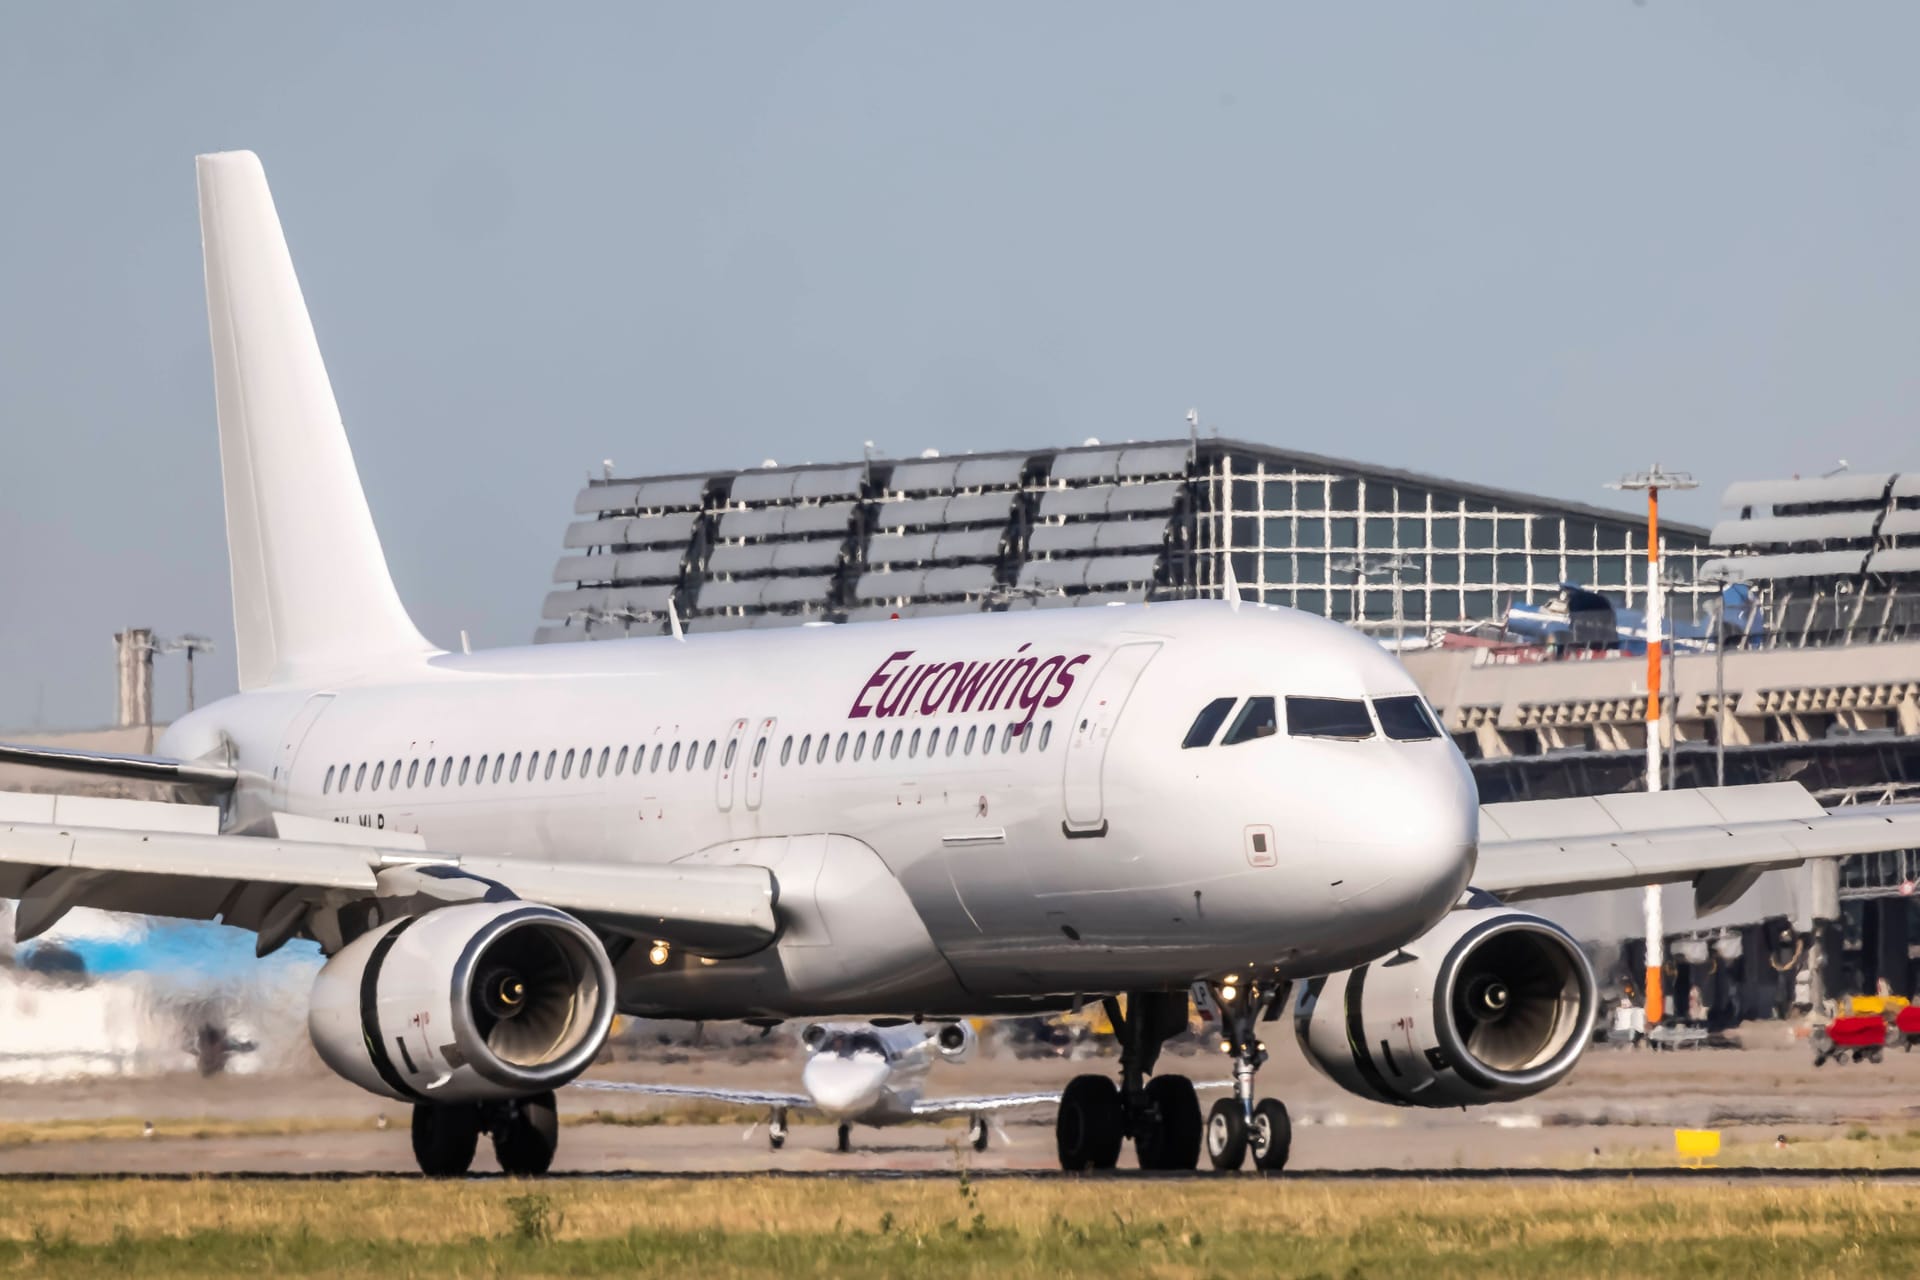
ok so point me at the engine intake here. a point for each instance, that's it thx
(956, 1041)
(1491, 1005)
(471, 1002)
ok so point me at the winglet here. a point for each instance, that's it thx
(1231, 590)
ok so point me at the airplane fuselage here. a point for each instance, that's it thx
(962, 814)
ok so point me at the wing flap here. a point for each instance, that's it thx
(122, 767)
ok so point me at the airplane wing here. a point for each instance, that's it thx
(1719, 838)
(931, 1108)
(740, 1097)
(122, 767)
(161, 859)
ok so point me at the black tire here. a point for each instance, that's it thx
(445, 1138)
(1270, 1136)
(1873, 1055)
(1087, 1128)
(977, 1133)
(1227, 1135)
(1168, 1137)
(776, 1140)
(527, 1135)
(845, 1137)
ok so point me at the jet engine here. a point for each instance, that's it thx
(468, 1003)
(956, 1041)
(1491, 1005)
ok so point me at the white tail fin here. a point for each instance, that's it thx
(312, 597)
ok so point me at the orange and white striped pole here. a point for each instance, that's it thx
(1653, 482)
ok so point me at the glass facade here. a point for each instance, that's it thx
(1341, 543)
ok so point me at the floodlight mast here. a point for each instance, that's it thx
(1652, 482)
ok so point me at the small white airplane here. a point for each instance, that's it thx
(860, 1073)
(942, 818)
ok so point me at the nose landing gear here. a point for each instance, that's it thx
(1238, 1125)
(1162, 1115)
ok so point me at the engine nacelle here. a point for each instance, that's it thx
(467, 1003)
(956, 1041)
(1491, 1005)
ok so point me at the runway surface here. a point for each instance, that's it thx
(1708, 1174)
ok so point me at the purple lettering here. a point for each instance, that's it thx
(930, 705)
(860, 708)
(1064, 681)
(894, 699)
(1036, 686)
(1015, 678)
(967, 687)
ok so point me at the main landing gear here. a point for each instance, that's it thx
(1238, 1126)
(1161, 1115)
(525, 1133)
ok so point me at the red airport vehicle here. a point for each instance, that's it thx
(1906, 1027)
(1855, 1036)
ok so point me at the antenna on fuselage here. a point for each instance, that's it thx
(1231, 590)
(673, 620)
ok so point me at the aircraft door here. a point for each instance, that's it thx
(1087, 742)
(757, 762)
(296, 733)
(730, 765)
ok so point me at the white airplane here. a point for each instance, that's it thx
(1009, 812)
(860, 1073)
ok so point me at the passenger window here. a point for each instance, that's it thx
(693, 754)
(1255, 720)
(860, 746)
(972, 731)
(1208, 722)
(1046, 732)
(1006, 739)
(1026, 736)
(446, 770)
(601, 770)
(986, 743)
(1405, 719)
(759, 752)
(820, 752)
(913, 745)
(1328, 718)
(464, 762)
(547, 775)
(497, 762)
(379, 771)
(786, 749)
(620, 764)
(360, 777)
(393, 779)
(840, 749)
(894, 751)
(953, 739)
(480, 774)
(566, 766)
(413, 771)
(733, 749)
(515, 775)
(657, 749)
(806, 748)
(706, 757)
(327, 785)
(673, 758)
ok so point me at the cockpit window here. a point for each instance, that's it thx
(848, 1043)
(1207, 723)
(1328, 718)
(1255, 720)
(1405, 719)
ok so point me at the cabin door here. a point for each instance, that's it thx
(1089, 733)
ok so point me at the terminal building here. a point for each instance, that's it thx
(1825, 692)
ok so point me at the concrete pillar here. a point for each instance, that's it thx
(1890, 944)
(133, 651)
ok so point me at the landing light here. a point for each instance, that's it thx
(658, 954)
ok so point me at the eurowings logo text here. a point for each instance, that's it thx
(1028, 684)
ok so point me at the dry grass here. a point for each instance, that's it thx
(954, 1227)
(1855, 1148)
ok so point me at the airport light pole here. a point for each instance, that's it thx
(1366, 565)
(1652, 482)
(1719, 581)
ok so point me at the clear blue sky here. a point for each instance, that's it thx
(1532, 244)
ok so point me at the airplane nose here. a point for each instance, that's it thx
(844, 1086)
(1412, 844)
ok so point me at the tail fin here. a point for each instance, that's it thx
(312, 597)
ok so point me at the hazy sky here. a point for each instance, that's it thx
(1532, 244)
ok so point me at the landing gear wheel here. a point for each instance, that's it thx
(777, 1130)
(1270, 1136)
(977, 1133)
(1227, 1135)
(1087, 1129)
(526, 1135)
(1167, 1133)
(846, 1138)
(445, 1138)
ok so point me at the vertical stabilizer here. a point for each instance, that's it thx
(312, 597)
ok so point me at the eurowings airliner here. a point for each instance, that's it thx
(1010, 812)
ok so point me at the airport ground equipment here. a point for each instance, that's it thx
(1858, 1037)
